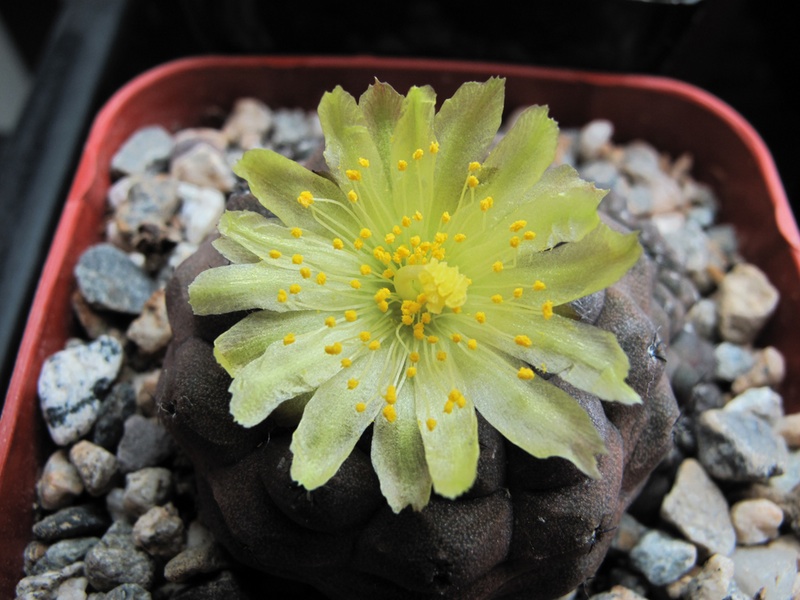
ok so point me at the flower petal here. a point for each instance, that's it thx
(381, 106)
(331, 425)
(281, 373)
(237, 287)
(535, 415)
(277, 182)
(451, 447)
(398, 456)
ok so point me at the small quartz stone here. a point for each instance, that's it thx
(60, 482)
(756, 521)
(663, 559)
(204, 166)
(769, 370)
(733, 360)
(713, 581)
(201, 209)
(146, 149)
(108, 279)
(96, 466)
(150, 330)
(145, 489)
(198, 560)
(746, 300)
(159, 531)
(63, 553)
(115, 560)
(145, 443)
(762, 402)
(771, 568)
(248, 122)
(788, 427)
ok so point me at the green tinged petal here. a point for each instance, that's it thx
(535, 415)
(398, 456)
(237, 287)
(331, 425)
(381, 106)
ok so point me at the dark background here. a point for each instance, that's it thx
(81, 51)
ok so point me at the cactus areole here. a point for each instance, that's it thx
(425, 279)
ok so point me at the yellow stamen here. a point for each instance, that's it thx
(414, 357)
(350, 315)
(352, 196)
(517, 225)
(374, 345)
(288, 339)
(361, 407)
(365, 335)
(389, 413)
(321, 278)
(459, 237)
(411, 371)
(389, 238)
(352, 383)
(432, 339)
(365, 233)
(433, 148)
(346, 363)
(472, 344)
(402, 165)
(330, 321)
(486, 203)
(353, 174)
(275, 254)
(297, 232)
(391, 395)
(547, 309)
(525, 373)
(431, 424)
(514, 241)
(335, 348)
(337, 244)
(294, 288)
(305, 199)
(480, 317)
(417, 154)
(518, 292)
(358, 243)
(474, 166)
(305, 272)
(529, 235)
(523, 340)
(456, 337)
(497, 299)
(538, 286)
(363, 162)
(365, 269)
(406, 221)
(472, 181)
(297, 259)
(445, 217)
(282, 296)
(497, 266)
(441, 356)
(355, 284)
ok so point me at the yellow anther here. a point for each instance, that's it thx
(389, 238)
(389, 413)
(433, 148)
(407, 319)
(529, 235)
(337, 244)
(297, 232)
(305, 272)
(518, 292)
(414, 357)
(365, 336)
(297, 259)
(275, 254)
(525, 373)
(383, 306)
(363, 162)
(402, 165)
(330, 321)
(391, 395)
(288, 339)
(411, 371)
(358, 243)
(440, 237)
(446, 217)
(474, 166)
(497, 266)
(430, 424)
(472, 344)
(352, 383)
(538, 286)
(417, 216)
(353, 174)
(352, 196)
(305, 199)
(382, 294)
(361, 407)
(514, 241)
(346, 363)
(441, 356)
(282, 296)
(294, 288)
(397, 230)
(355, 284)
(547, 309)
(517, 225)
(419, 334)
(335, 348)
(523, 340)
(497, 299)
(459, 237)
(321, 278)
(438, 254)
(365, 269)
(456, 337)
(432, 339)
(480, 317)
(364, 233)
(448, 406)
(417, 154)
(425, 318)
(472, 181)
(486, 203)
(406, 221)
(350, 316)
(374, 345)
(388, 273)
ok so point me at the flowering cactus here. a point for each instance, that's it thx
(427, 276)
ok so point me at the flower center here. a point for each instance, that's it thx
(440, 284)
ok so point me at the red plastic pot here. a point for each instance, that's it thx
(673, 116)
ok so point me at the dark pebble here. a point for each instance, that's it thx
(71, 522)
(115, 409)
(144, 443)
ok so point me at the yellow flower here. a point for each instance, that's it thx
(444, 265)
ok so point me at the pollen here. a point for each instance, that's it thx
(330, 321)
(353, 174)
(430, 424)
(294, 288)
(347, 363)
(337, 244)
(417, 216)
(497, 299)
(364, 233)
(523, 340)
(275, 254)
(350, 315)
(352, 383)
(514, 241)
(297, 232)
(456, 337)
(352, 196)
(288, 339)
(474, 166)
(297, 259)
(459, 237)
(446, 217)
(321, 278)
(417, 154)
(335, 348)
(538, 286)
(355, 284)
(358, 243)
(391, 395)
(525, 373)
(374, 345)
(305, 199)
(388, 273)
(529, 235)
(547, 309)
(305, 272)
(361, 407)
(389, 413)
(432, 339)
(363, 162)
(497, 267)
(486, 203)
(365, 269)
(472, 344)
(441, 356)
(402, 165)
(517, 225)
(411, 371)
(472, 181)
(282, 296)
(448, 407)
(389, 238)
(480, 317)
(406, 221)
(414, 357)
(365, 336)
(518, 292)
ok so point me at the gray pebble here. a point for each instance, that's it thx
(60, 482)
(198, 560)
(159, 531)
(73, 588)
(63, 553)
(249, 121)
(148, 148)
(151, 331)
(115, 560)
(45, 585)
(594, 138)
(115, 504)
(762, 402)
(756, 521)
(145, 489)
(71, 522)
(201, 208)
(117, 406)
(746, 300)
(602, 172)
(151, 201)
(126, 591)
(713, 581)
(204, 166)
(108, 279)
(733, 360)
(771, 568)
(663, 559)
(769, 370)
(70, 385)
(96, 466)
(145, 443)
(736, 446)
(698, 509)
(695, 362)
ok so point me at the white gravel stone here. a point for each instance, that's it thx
(200, 211)
(96, 466)
(772, 569)
(60, 482)
(713, 581)
(746, 300)
(756, 521)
